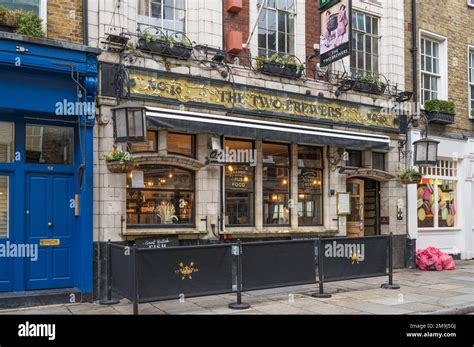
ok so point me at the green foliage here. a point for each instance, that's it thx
(26, 23)
(370, 79)
(30, 25)
(120, 156)
(472, 113)
(283, 61)
(170, 40)
(442, 106)
(410, 174)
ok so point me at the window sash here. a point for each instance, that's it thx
(365, 44)
(173, 23)
(436, 193)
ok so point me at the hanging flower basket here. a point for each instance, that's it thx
(172, 46)
(410, 176)
(410, 181)
(120, 167)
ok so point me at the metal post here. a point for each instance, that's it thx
(321, 293)
(390, 284)
(135, 280)
(239, 305)
(109, 300)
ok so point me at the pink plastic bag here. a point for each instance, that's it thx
(448, 262)
(432, 259)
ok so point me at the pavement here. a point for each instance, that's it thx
(421, 292)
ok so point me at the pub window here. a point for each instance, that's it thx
(378, 161)
(365, 44)
(151, 145)
(49, 144)
(160, 196)
(182, 144)
(167, 15)
(355, 158)
(4, 206)
(310, 186)
(239, 185)
(430, 69)
(7, 141)
(276, 184)
(437, 196)
(276, 27)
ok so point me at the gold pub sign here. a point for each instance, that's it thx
(185, 90)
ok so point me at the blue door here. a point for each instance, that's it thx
(6, 234)
(50, 223)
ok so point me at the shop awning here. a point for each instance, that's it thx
(263, 129)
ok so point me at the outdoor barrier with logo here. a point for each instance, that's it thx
(144, 275)
(277, 263)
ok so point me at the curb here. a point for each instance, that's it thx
(460, 310)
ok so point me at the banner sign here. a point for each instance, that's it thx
(277, 264)
(348, 258)
(192, 91)
(169, 273)
(336, 32)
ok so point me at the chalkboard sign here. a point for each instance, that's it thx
(158, 242)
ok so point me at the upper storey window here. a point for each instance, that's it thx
(167, 15)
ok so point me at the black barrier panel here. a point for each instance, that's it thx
(349, 258)
(192, 271)
(277, 264)
(122, 270)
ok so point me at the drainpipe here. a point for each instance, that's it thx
(410, 253)
(85, 22)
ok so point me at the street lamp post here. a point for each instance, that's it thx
(129, 122)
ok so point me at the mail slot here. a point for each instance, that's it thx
(50, 242)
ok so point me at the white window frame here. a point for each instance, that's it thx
(293, 13)
(145, 20)
(470, 79)
(470, 3)
(365, 34)
(430, 173)
(443, 64)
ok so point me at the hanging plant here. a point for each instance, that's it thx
(369, 84)
(119, 161)
(166, 45)
(410, 176)
(20, 22)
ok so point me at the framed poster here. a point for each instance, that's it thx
(343, 204)
(336, 32)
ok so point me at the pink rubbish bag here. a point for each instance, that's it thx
(448, 262)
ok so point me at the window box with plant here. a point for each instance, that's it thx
(369, 84)
(284, 66)
(440, 111)
(119, 161)
(20, 22)
(166, 45)
(410, 176)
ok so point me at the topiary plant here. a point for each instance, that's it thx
(442, 106)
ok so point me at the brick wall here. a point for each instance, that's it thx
(238, 22)
(454, 21)
(65, 20)
(313, 32)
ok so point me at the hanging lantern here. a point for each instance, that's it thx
(129, 123)
(426, 152)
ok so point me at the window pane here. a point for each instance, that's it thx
(355, 158)
(262, 39)
(275, 209)
(239, 208)
(310, 209)
(310, 181)
(156, 9)
(446, 203)
(7, 142)
(281, 43)
(49, 144)
(272, 40)
(4, 206)
(24, 5)
(426, 205)
(149, 146)
(276, 178)
(378, 161)
(360, 21)
(271, 20)
(276, 154)
(167, 197)
(375, 26)
(309, 156)
(181, 144)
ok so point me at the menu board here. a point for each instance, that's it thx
(343, 204)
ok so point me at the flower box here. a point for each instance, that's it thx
(410, 181)
(176, 50)
(368, 87)
(279, 70)
(440, 117)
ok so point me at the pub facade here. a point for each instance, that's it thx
(234, 151)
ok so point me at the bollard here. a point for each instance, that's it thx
(390, 284)
(239, 305)
(321, 294)
(135, 280)
(109, 300)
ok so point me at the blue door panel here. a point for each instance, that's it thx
(50, 218)
(6, 274)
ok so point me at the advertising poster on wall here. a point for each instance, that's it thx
(336, 35)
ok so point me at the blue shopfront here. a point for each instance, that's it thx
(47, 93)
